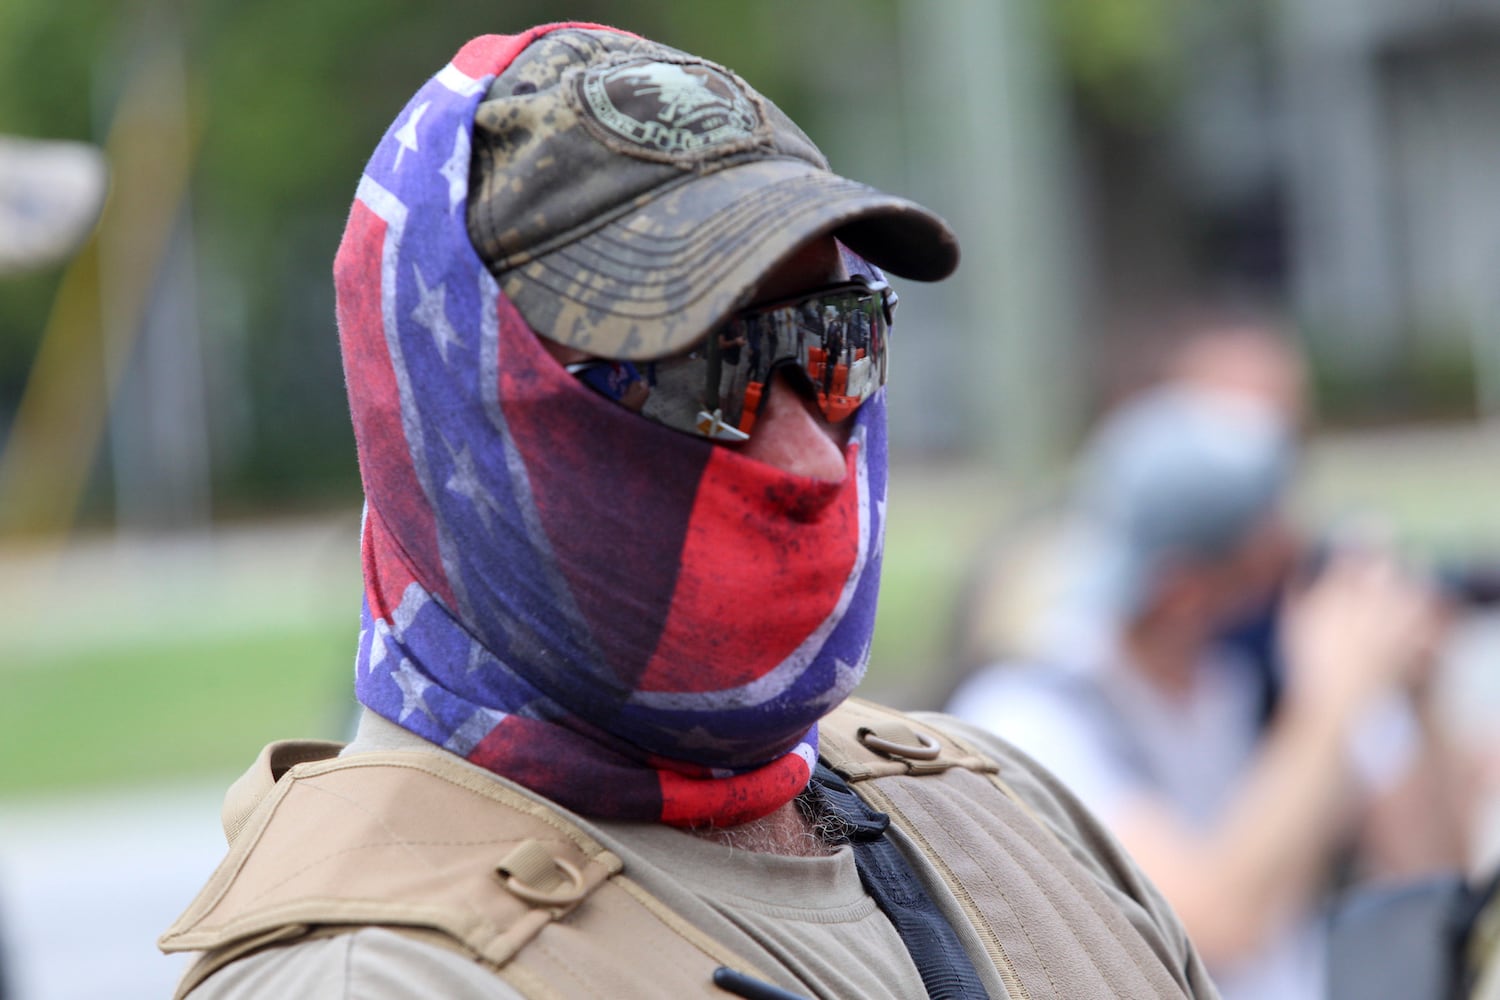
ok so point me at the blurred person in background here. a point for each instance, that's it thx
(1010, 600)
(51, 194)
(1245, 713)
(605, 747)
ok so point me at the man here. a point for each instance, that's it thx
(1135, 696)
(1019, 606)
(606, 749)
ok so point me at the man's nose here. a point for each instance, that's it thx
(792, 434)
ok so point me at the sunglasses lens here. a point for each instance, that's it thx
(832, 344)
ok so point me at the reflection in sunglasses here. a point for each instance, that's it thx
(831, 342)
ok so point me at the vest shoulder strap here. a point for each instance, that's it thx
(415, 842)
(862, 740)
(1042, 918)
(426, 845)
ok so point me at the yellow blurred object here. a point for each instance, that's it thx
(45, 466)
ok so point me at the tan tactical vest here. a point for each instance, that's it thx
(426, 845)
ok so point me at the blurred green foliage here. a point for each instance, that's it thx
(288, 98)
(49, 54)
(163, 710)
(1433, 382)
(1124, 57)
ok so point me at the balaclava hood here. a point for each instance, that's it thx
(630, 621)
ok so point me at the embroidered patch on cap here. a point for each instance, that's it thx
(668, 110)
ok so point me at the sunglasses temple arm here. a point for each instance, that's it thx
(714, 366)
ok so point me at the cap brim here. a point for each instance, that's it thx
(654, 280)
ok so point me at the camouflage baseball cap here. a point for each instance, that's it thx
(630, 196)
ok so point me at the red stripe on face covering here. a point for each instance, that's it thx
(386, 574)
(385, 463)
(765, 561)
(732, 801)
(545, 758)
(613, 493)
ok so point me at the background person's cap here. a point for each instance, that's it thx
(1178, 474)
(630, 196)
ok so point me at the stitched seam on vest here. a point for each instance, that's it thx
(1109, 918)
(222, 879)
(1105, 918)
(1009, 975)
(379, 845)
(1026, 870)
(452, 773)
(480, 783)
(559, 959)
(1122, 929)
(459, 917)
(1050, 897)
(407, 848)
(1087, 890)
(528, 984)
(1004, 786)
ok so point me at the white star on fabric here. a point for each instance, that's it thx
(846, 676)
(465, 482)
(431, 314)
(407, 134)
(413, 685)
(880, 537)
(478, 657)
(456, 169)
(475, 728)
(377, 643)
(413, 600)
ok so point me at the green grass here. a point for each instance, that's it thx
(182, 666)
(173, 703)
(169, 710)
(938, 526)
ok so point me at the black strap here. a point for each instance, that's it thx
(1480, 907)
(1409, 940)
(946, 970)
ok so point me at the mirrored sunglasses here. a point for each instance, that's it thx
(832, 343)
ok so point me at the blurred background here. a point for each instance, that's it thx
(179, 501)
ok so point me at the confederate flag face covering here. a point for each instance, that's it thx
(632, 622)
